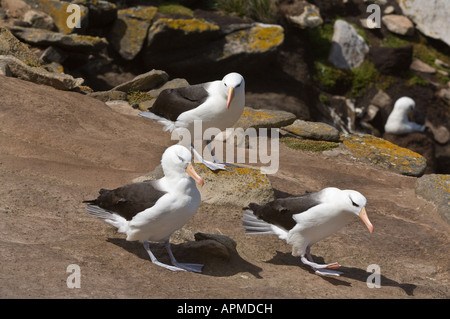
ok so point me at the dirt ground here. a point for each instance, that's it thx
(59, 148)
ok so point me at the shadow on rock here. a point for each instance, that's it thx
(214, 264)
(354, 273)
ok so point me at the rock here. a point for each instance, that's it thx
(58, 11)
(70, 42)
(441, 63)
(313, 130)
(430, 17)
(235, 186)
(38, 19)
(309, 17)
(440, 133)
(52, 54)
(129, 30)
(385, 154)
(348, 48)
(389, 10)
(10, 45)
(101, 13)
(19, 69)
(15, 8)
(444, 94)
(382, 100)
(420, 66)
(108, 95)
(144, 82)
(391, 60)
(398, 24)
(197, 45)
(261, 118)
(436, 189)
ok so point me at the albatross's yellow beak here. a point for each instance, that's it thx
(365, 219)
(230, 96)
(192, 173)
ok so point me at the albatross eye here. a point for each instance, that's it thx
(353, 203)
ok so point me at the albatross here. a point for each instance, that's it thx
(153, 210)
(398, 122)
(218, 104)
(306, 219)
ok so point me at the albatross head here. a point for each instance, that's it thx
(356, 204)
(404, 105)
(234, 84)
(176, 161)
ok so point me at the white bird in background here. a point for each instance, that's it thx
(152, 211)
(306, 219)
(398, 121)
(218, 104)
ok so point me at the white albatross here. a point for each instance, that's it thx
(152, 211)
(398, 121)
(306, 219)
(218, 104)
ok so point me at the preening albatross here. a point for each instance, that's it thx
(398, 121)
(218, 104)
(152, 211)
(306, 219)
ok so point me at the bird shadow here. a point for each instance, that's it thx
(214, 265)
(282, 258)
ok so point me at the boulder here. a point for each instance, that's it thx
(348, 48)
(420, 66)
(110, 95)
(101, 13)
(129, 30)
(70, 42)
(313, 130)
(444, 94)
(391, 60)
(38, 19)
(382, 153)
(144, 82)
(430, 17)
(11, 66)
(235, 186)
(398, 24)
(194, 45)
(436, 189)
(52, 54)
(58, 11)
(262, 118)
(307, 16)
(15, 8)
(10, 45)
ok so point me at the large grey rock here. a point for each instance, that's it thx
(313, 130)
(11, 66)
(430, 17)
(129, 30)
(436, 189)
(10, 45)
(348, 48)
(398, 24)
(144, 82)
(70, 42)
(38, 19)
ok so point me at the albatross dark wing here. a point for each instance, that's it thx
(128, 200)
(172, 102)
(279, 212)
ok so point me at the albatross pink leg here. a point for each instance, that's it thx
(320, 269)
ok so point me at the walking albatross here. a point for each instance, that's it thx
(218, 104)
(306, 219)
(152, 211)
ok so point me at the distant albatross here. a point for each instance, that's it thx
(218, 104)
(306, 219)
(152, 211)
(398, 122)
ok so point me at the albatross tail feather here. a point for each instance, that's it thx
(113, 219)
(254, 225)
(168, 124)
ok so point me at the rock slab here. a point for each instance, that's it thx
(313, 130)
(436, 188)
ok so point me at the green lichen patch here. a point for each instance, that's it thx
(307, 144)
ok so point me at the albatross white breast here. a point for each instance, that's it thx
(306, 219)
(152, 211)
(398, 122)
(218, 104)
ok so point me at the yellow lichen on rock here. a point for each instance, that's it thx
(189, 25)
(383, 153)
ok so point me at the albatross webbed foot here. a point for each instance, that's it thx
(322, 269)
(183, 266)
(157, 262)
